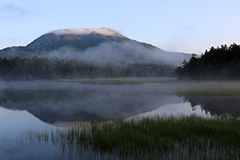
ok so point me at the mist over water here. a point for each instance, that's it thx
(74, 101)
(52, 101)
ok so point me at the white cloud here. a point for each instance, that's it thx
(78, 31)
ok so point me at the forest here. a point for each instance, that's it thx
(44, 68)
(221, 63)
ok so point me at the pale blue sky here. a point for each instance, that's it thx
(173, 25)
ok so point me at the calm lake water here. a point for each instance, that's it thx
(41, 106)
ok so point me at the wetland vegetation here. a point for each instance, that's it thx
(150, 138)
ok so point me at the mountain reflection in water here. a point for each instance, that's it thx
(51, 102)
(71, 101)
(13, 124)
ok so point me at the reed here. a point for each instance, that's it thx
(156, 138)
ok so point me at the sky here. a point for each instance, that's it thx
(173, 25)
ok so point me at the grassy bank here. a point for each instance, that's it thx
(174, 86)
(125, 80)
(155, 138)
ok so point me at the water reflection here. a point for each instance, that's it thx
(177, 110)
(12, 125)
(216, 105)
(52, 102)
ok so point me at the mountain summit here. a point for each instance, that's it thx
(76, 38)
(83, 31)
(97, 45)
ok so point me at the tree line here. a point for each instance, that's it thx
(221, 63)
(44, 68)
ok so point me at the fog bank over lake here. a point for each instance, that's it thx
(75, 101)
(52, 101)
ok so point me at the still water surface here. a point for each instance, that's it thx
(38, 106)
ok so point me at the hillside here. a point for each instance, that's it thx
(95, 45)
(76, 38)
(221, 63)
(44, 68)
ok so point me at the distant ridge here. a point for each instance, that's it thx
(76, 38)
(100, 45)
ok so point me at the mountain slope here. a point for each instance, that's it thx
(102, 46)
(76, 38)
(220, 63)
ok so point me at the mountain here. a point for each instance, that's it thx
(76, 38)
(98, 45)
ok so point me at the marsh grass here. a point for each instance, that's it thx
(153, 138)
(125, 80)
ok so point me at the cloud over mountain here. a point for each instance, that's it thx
(97, 45)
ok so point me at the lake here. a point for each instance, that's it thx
(47, 106)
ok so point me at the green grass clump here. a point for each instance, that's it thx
(159, 138)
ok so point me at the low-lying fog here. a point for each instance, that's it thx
(73, 101)
(52, 101)
(117, 53)
(120, 53)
